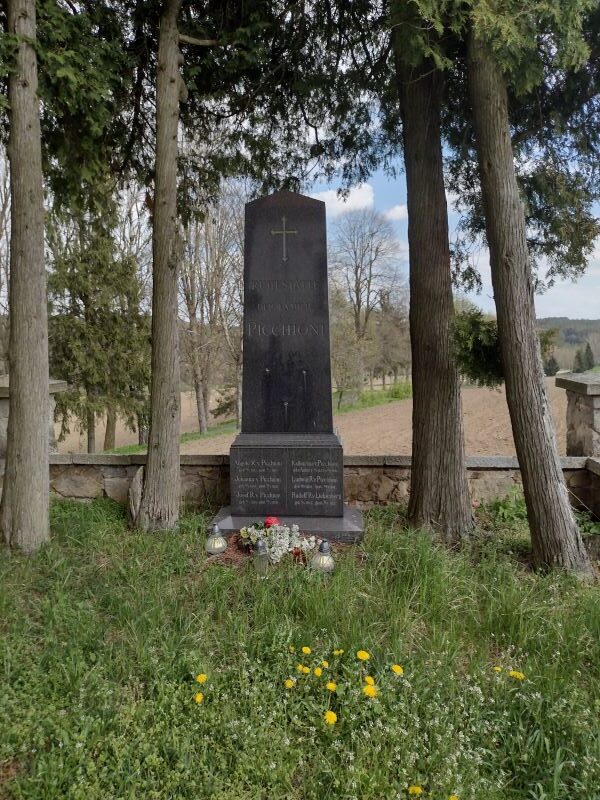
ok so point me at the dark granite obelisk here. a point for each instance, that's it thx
(287, 460)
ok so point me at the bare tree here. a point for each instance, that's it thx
(364, 260)
(231, 302)
(554, 534)
(345, 367)
(24, 508)
(210, 288)
(159, 505)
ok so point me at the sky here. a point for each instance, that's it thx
(577, 300)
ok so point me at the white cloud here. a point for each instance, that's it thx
(397, 212)
(361, 196)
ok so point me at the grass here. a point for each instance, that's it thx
(104, 630)
(367, 399)
(376, 397)
(219, 429)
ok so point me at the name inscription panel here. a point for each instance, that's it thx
(304, 481)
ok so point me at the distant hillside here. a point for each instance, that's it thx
(574, 331)
(571, 335)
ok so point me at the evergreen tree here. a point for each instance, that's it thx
(551, 366)
(578, 363)
(555, 537)
(99, 337)
(588, 357)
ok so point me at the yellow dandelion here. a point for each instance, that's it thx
(397, 669)
(362, 655)
(497, 669)
(325, 664)
(201, 678)
(330, 717)
(331, 686)
(318, 671)
(368, 679)
(306, 670)
(338, 652)
(518, 676)
(370, 691)
(300, 667)
(306, 650)
(415, 790)
(289, 683)
(453, 797)
(198, 697)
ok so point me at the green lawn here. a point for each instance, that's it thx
(104, 631)
(216, 430)
(369, 398)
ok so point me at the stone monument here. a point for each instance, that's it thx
(54, 387)
(287, 461)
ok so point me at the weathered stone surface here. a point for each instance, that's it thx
(202, 486)
(366, 486)
(117, 488)
(134, 497)
(491, 484)
(583, 424)
(587, 383)
(76, 481)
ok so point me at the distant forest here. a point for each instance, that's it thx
(571, 336)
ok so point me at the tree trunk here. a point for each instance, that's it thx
(383, 376)
(207, 392)
(159, 508)
(439, 494)
(91, 432)
(200, 407)
(111, 429)
(238, 407)
(24, 508)
(142, 426)
(554, 533)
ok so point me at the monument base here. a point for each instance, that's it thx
(348, 528)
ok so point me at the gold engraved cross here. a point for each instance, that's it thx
(284, 232)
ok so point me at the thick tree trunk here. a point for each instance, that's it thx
(111, 429)
(91, 432)
(159, 508)
(24, 509)
(439, 495)
(554, 533)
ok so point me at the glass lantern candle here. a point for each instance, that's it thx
(261, 558)
(216, 542)
(322, 561)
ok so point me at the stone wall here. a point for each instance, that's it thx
(368, 480)
(583, 413)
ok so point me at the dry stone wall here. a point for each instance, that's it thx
(368, 480)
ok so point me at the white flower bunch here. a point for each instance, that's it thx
(280, 540)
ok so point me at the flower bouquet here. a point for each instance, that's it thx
(280, 540)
